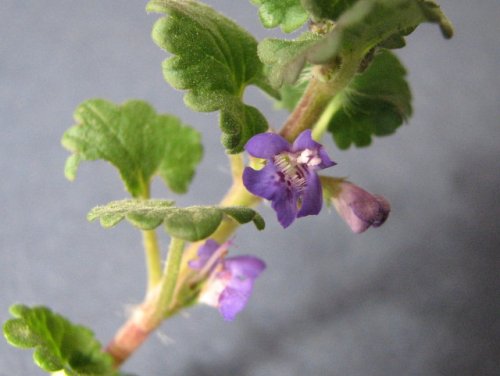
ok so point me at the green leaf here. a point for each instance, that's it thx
(145, 214)
(359, 29)
(290, 95)
(59, 345)
(289, 15)
(327, 9)
(375, 103)
(192, 223)
(286, 58)
(214, 60)
(137, 141)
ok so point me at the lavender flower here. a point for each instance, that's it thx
(230, 280)
(359, 208)
(289, 178)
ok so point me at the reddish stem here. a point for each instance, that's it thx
(126, 341)
(133, 333)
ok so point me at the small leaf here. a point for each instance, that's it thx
(137, 141)
(290, 95)
(327, 9)
(145, 214)
(192, 223)
(289, 15)
(360, 28)
(286, 58)
(214, 60)
(59, 345)
(376, 102)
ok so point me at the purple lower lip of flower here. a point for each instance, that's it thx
(230, 281)
(359, 208)
(244, 270)
(289, 179)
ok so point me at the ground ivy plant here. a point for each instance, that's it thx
(337, 76)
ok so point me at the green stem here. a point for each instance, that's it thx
(318, 95)
(151, 248)
(170, 275)
(321, 125)
(237, 195)
(153, 258)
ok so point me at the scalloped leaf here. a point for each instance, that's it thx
(358, 30)
(137, 141)
(375, 103)
(58, 344)
(286, 58)
(289, 15)
(214, 61)
(192, 223)
(326, 9)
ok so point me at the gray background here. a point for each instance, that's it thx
(419, 296)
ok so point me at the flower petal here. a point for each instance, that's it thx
(263, 183)
(305, 141)
(231, 302)
(312, 197)
(285, 206)
(204, 253)
(243, 270)
(325, 159)
(244, 266)
(266, 145)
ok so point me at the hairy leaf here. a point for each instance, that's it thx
(326, 9)
(375, 103)
(358, 30)
(214, 60)
(58, 344)
(191, 223)
(137, 141)
(286, 58)
(289, 15)
(290, 95)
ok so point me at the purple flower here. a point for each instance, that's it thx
(359, 208)
(289, 178)
(230, 280)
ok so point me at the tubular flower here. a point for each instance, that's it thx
(289, 178)
(359, 208)
(229, 280)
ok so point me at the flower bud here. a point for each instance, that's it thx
(359, 208)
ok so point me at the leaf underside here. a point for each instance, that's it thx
(191, 224)
(375, 103)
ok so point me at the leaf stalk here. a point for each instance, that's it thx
(153, 258)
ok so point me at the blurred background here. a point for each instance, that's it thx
(418, 296)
